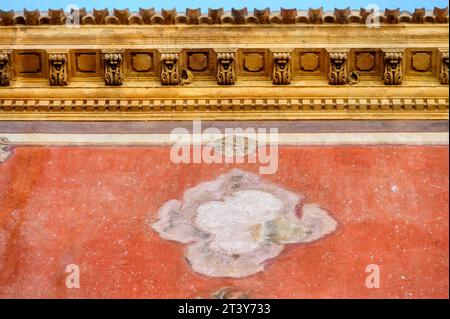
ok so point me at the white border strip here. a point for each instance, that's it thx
(300, 139)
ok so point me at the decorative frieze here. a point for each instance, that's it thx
(5, 68)
(338, 70)
(179, 67)
(220, 16)
(113, 68)
(393, 68)
(226, 68)
(170, 68)
(230, 108)
(281, 73)
(443, 74)
(58, 74)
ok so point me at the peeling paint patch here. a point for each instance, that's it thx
(5, 152)
(235, 223)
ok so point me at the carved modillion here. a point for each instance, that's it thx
(5, 69)
(170, 69)
(338, 70)
(58, 69)
(226, 68)
(393, 69)
(113, 68)
(443, 74)
(281, 73)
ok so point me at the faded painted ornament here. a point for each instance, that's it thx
(235, 223)
(5, 152)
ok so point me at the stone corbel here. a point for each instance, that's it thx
(393, 67)
(58, 68)
(226, 67)
(113, 68)
(338, 73)
(5, 68)
(170, 68)
(281, 70)
(444, 62)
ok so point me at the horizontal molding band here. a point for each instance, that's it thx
(165, 127)
(249, 90)
(224, 109)
(220, 36)
(306, 139)
(223, 116)
(232, 105)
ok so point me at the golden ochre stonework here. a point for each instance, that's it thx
(5, 68)
(223, 109)
(217, 16)
(58, 69)
(296, 64)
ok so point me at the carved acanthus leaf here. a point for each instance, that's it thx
(281, 68)
(58, 69)
(170, 69)
(226, 68)
(443, 74)
(338, 70)
(5, 69)
(113, 68)
(393, 69)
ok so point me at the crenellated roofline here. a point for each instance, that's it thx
(219, 16)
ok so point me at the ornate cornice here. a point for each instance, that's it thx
(218, 16)
(230, 65)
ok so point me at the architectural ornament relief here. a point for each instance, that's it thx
(444, 67)
(281, 68)
(338, 72)
(393, 69)
(170, 69)
(113, 69)
(226, 68)
(5, 69)
(58, 69)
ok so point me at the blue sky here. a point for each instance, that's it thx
(204, 4)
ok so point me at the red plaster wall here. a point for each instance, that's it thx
(92, 207)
